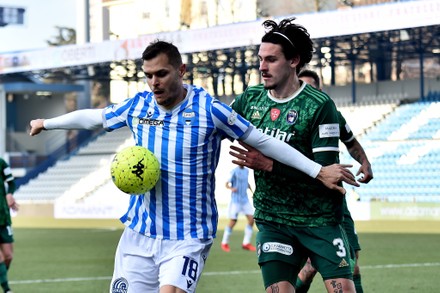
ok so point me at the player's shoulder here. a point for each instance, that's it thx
(251, 94)
(255, 89)
(316, 96)
(198, 94)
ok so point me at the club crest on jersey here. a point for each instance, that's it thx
(188, 116)
(232, 118)
(274, 114)
(120, 285)
(292, 115)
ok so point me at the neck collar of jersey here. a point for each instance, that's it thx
(287, 99)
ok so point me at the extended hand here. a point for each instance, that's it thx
(11, 202)
(36, 126)
(250, 157)
(331, 175)
(365, 170)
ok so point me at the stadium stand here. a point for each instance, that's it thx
(78, 174)
(404, 150)
(402, 143)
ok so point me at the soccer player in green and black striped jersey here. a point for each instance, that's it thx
(7, 202)
(297, 218)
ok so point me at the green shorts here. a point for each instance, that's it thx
(350, 230)
(282, 251)
(6, 234)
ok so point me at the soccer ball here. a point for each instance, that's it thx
(135, 170)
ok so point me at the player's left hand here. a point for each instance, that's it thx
(367, 173)
(11, 202)
(250, 157)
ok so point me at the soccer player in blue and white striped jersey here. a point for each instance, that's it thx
(238, 183)
(170, 229)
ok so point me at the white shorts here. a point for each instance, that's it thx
(144, 264)
(236, 208)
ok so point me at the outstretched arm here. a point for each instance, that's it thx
(80, 119)
(358, 153)
(256, 141)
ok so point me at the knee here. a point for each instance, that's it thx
(9, 257)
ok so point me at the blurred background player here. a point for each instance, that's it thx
(7, 202)
(307, 273)
(238, 183)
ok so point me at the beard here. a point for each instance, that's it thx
(270, 87)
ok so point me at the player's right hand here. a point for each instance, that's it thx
(250, 157)
(36, 126)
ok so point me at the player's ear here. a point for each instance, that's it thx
(182, 70)
(294, 61)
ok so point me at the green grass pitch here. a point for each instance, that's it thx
(396, 257)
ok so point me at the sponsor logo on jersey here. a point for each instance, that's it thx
(329, 130)
(292, 115)
(259, 108)
(120, 285)
(232, 118)
(147, 121)
(274, 114)
(277, 247)
(278, 134)
(343, 263)
(188, 115)
(256, 115)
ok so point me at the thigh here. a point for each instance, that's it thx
(276, 247)
(329, 251)
(339, 285)
(182, 263)
(233, 210)
(135, 269)
(247, 208)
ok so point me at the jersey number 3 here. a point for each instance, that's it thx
(341, 252)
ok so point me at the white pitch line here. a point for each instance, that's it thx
(375, 267)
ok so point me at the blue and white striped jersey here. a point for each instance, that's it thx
(239, 179)
(186, 140)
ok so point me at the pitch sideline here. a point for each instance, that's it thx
(375, 267)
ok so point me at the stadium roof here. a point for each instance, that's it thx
(411, 26)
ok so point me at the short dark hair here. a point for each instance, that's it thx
(312, 74)
(293, 38)
(161, 47)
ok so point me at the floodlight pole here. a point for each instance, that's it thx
(421, 60)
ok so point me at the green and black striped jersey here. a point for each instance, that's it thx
(308, 121)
